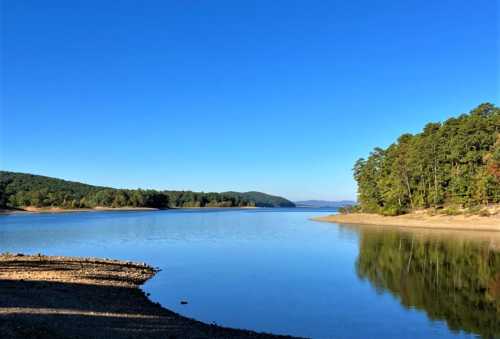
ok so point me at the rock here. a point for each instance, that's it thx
(184, 302)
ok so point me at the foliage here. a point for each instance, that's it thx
(349, 209)
(451, 210)
(19, 190)
(262, 199)
(456, 162)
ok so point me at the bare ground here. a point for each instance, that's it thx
(420, 219)
(61, 297)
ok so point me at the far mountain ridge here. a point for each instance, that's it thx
(324, 203)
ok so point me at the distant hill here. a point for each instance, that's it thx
(19, 190)
(262, 199)
(324, 203)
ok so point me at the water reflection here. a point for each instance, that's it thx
(452, 279)
(274, 270)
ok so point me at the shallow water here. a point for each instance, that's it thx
(275, 270)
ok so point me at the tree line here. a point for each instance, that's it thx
(18, 190)
(452, 163)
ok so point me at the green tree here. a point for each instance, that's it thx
(456, 162)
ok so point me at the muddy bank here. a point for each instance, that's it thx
(62, 297)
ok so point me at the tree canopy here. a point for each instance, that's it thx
(452, 163)
(18, 190)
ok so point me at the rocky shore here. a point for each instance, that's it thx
(66, 297)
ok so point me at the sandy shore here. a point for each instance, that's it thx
(61, 297)
(31, 209)
(95, 209)
(419, 220)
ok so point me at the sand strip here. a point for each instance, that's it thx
(419, 220)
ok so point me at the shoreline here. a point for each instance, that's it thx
(41, 210)
(59, 297)
(419, 220)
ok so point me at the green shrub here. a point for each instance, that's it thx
(474, 210)
(452, 210)
(392, 211)
(349, 209)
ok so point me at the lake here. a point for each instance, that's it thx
(277, 271)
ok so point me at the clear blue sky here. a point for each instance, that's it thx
(276, 96)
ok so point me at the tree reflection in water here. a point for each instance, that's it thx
(455, 280)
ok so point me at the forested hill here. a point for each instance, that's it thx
(452, 163)
(18, 190)
(263, 199)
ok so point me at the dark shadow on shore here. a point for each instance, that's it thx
(42, 309)
(58, 297)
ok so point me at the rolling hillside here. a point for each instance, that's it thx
(19, 190)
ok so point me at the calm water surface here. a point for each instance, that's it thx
(274, 270)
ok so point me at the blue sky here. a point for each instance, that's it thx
(276, 96)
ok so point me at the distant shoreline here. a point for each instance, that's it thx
(41, 210)
(36, 210)
(419, 220)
